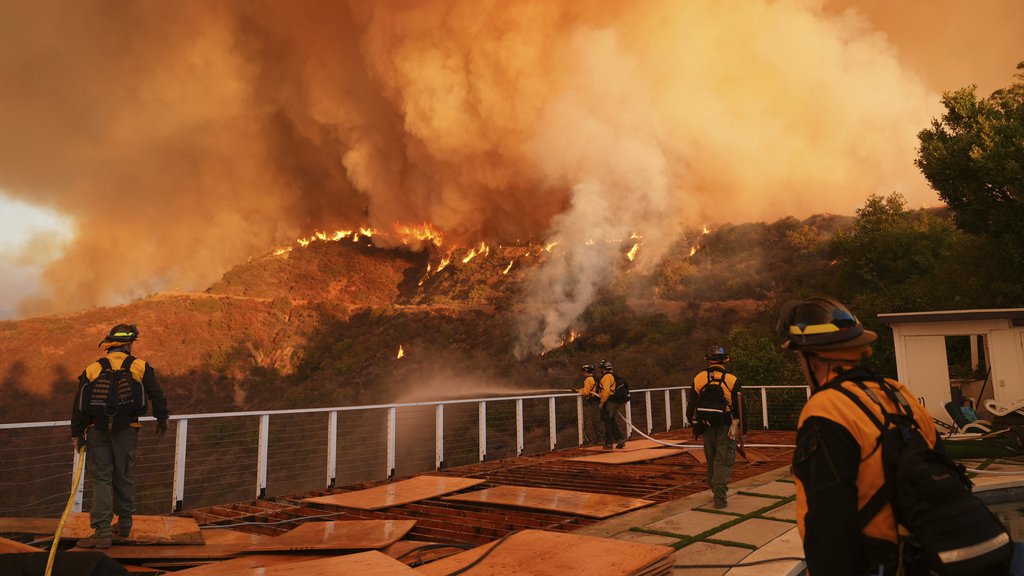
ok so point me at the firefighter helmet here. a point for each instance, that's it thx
(716, 354)
(121, 334)
(821, 324)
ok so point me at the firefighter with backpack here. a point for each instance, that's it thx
(591, 409)
(875, 492)
(713, 408)
(612, 395)
(112, 395)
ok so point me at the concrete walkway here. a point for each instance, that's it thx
(758, 524)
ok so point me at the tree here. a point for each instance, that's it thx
(974, 158)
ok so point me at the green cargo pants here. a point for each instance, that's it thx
(110, 464)
(720, 451)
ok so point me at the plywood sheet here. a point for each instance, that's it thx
(370, 563)
(229, 536)
(236, 565)
(630, 446)
(397, 493)
(629, 457)
(11, 546)
(153, 529)
(585, 504)
(339, 535)
(540, 553)
(698, 454)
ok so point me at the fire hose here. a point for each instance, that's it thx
(67, 510)
(637, 430)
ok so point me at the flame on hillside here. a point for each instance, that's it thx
(401, 352)
(703, 232)
(509, 267)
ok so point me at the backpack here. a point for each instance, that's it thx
(621, 393)
(712, 405)
(930, 494)
(114, 394)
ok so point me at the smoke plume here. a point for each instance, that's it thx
(183, 137)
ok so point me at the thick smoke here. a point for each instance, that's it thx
(183, 137)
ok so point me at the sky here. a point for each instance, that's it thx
(187, 137)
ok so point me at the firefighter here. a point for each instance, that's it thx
(591, 405)
(713, 408)
(837, 466)
(112, 394)
(609, 407)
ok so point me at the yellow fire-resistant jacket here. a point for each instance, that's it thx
(833, 405)
(587, 391)
(607, 387)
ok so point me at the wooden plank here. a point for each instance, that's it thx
(698, 454)
(339, 535)
(397, 493)
(641, 444)
(628, 457)
(370, 563)
(12, 546)
(586, 504)
(540, 553)
(149, 529)
(235, 565)
(229, 536)
(409, 551)
(753, 456)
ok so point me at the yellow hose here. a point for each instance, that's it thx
(67, 509)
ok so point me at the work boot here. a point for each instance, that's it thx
(122, 530)
(720, 503)
(94, 541)
(607, 446)
(621, 444)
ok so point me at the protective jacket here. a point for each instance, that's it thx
(141, 371)
(838, 468)
(729, 388)
(587, 391)
(606, 387)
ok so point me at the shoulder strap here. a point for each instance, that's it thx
(127, 363)
(105, 363)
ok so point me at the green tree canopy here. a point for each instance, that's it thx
(974, 158)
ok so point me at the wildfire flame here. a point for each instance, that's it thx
(550, 246)
(693, 250)
(509, 267)
(704, 232)
(443, 263)
(424, 233)
(632, 251)
(401, 352)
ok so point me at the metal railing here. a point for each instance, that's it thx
(233, 456)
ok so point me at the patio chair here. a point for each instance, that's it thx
(966, 420)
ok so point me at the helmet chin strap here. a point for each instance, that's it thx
(809, 370)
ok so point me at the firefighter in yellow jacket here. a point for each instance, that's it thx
(713, 408)
(847, 525)
(591, 408)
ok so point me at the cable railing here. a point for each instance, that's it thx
(229, 457)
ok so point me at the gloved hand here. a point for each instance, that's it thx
(161, 429)
(734, 429)
(77, 443)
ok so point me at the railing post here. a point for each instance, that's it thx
(668, 411)
(391, 442)
(180, 445)
(647, 405)
(483, 429)
(261, 457)
(553, 434)
(682, 395)
(520, 443)
(629, 420)
(579, 418)
(77, 505)
(764, 407)
(332, 447)
(439, 436)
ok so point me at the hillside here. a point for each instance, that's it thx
(322, 325)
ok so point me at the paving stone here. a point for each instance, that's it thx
(775, 489)
(743, 504)
(690, 523)
(754, 531)
(788, 545)
(707, 553)
(646, 538)
(787, 512)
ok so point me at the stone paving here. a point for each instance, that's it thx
(758, 524)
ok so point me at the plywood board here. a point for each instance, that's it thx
(339, 535)
(753, 456)
(698, 454)
(370, 563)
(630, 446)
(397, 493)
(229, 536)
(540, 553)
(628, 457)
(585, 504)
(11, 546)
(409, 551)
(236, 565)
(152, 529)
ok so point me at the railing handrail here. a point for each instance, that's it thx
(57, 423)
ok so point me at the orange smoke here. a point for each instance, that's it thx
(185, 137)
